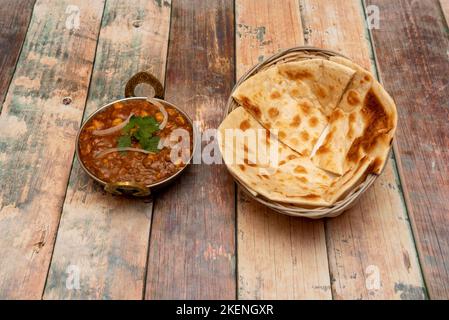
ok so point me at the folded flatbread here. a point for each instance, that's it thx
(292, 178)
(293, 100)
(308, 132)
(363, 123)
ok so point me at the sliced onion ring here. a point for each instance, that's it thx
(163, 111)
(161, 144)
(111, 150)
(111, 130)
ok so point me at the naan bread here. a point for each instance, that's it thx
(363, 123)
(327, 80)
(292, 178)
(293, 100)
(334, 108)
(346, 124)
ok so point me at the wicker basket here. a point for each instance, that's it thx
(298, 54)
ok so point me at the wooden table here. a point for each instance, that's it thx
(63, 237)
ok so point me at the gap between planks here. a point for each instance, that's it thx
(35, 169)
(417, 45)
(105, 236)
(379, 218)
(280, 257)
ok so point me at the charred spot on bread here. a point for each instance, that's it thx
(300, 169)
(305, 135)
(275, 95)
(312, 196)
(313, 121)
(296, 121)
(298, 74)
(267, 137)
(273, 112)
(255, 110)
(336, 115)
(377, 165)
(321, 91)
(306, 107)
(294, 92)
(353, 97)
(323, 149)
(244, 125)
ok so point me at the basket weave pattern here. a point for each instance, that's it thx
(290, 55)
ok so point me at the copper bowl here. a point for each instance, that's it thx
(127, 187)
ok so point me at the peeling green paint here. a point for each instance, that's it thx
(409, 292)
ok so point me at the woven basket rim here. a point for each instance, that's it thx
(345, 203)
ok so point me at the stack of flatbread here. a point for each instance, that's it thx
(307, 132)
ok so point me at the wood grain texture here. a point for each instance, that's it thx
(15, 16)
(192, 248)
(373, 240)
(37, 135)
(445, 7)
(106, 237)
(279, 257)
(412, 50)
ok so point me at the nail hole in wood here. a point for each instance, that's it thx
(137, 23)
(67, 100)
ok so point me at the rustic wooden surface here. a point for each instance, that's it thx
(298, 266)
(379, 219)
(37, 140)
(15, 16)
(202, 238)
(133, 37)
(445, 7)
(192, 247)
(415, 46)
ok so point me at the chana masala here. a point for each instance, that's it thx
(132, 141)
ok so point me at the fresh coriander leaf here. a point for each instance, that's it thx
(142, 134)
(150, 144)
(124, 142)
(141, 129)
(130, 125)
(147, 124)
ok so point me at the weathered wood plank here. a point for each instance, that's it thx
(105, 237)
(373, 240)
(411, 47)
(192, 248)
(279, 257)
(37, 135)
(15, 16)
(445, 7)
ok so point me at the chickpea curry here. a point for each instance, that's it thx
(139, 141)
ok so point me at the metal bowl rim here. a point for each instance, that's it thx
(158, 183)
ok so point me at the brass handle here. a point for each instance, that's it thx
(127, 188)
(144, 77)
